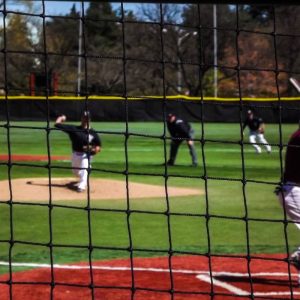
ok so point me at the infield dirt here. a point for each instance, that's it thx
(38, 189)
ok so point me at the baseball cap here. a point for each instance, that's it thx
(249, 112)
(86, 114)
(170, 115)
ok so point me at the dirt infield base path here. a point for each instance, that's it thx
(37, 189)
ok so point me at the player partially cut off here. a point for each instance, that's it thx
(289, 190)
(85, 144)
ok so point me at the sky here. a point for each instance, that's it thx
(63, 7)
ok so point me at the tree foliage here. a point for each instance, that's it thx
(158, 49)
(16, 59)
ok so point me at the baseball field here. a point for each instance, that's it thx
(222, 213)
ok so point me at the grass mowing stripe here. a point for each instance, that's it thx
(149, 232)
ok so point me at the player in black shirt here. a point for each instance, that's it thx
(180, 131)
(256, 131)
(85, 143)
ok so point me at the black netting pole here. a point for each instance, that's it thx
(244, 179)
(166, 176)
(126, 171)
(9, 162)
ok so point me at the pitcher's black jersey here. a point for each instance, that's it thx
(80, 137)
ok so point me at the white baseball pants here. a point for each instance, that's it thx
(290, 199)
(80, 165)
(255, 137)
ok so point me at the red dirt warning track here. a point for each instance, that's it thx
(151, 279)
(25, 157)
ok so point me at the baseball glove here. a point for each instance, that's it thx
(90, 149)
(279, 190)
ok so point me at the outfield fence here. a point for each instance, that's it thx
(113, 109)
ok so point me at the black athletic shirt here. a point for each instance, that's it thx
(179, 129)
(292, 159)
(80, 137)
(253, 124)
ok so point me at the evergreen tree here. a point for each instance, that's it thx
(200, 50)
(17, 55)
(61, 42)
(101, 30)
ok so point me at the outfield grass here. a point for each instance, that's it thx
(242, 216)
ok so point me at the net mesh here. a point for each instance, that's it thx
(162, 49)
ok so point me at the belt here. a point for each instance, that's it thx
(79, 153)
(292, 183)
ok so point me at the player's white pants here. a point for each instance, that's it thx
(290, 199)
(80, 164)
(255, 137)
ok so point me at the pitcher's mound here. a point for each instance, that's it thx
(38, 189)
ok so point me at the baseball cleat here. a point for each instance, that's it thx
(295, 259)
(80, 190)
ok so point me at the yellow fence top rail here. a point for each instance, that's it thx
(176, 97)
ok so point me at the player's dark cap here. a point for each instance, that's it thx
(86, 115)
(170, 115)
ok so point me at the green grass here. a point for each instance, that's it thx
(147, 229)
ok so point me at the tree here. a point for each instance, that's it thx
(201, 49)
(150, 46)
(288, 43)
(101, 29)
(18, 43)
(285, 21)
(254, 14)
(102, 43)
(101, 40)
(255, 73)
(17, 56)
(58, 44)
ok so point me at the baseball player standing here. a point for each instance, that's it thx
(180, 130)
(289, 192)
(256, 131)
(85, 143)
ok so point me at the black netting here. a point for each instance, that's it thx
(131, 57)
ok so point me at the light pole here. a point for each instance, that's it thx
(180, 39)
